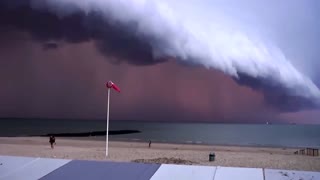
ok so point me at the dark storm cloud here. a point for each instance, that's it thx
(113, 40)
(275, 95)
(148, 33)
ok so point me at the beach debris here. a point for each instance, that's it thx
(165, 161)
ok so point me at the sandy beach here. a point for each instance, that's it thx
(86, 149)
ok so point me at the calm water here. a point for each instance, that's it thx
(199, 133)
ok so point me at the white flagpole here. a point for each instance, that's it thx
(107, 130)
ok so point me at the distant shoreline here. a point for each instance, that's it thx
(273, 122)
(97, 136)
(241, 135)
(82, 134)
(203, 144)
(92, 136)
(89, 134)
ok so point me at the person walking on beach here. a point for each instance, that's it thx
(149, 143)
(52, 141)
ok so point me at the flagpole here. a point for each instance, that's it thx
(109, 85)
(107, 130)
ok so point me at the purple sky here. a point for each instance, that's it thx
(68, 82)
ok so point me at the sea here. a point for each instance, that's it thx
(257, 135)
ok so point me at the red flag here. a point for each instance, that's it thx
(110, 84)
(115, 87)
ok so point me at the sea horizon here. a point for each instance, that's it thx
(227, 134)
(165, 121)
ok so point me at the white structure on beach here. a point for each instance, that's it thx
(29, 168)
